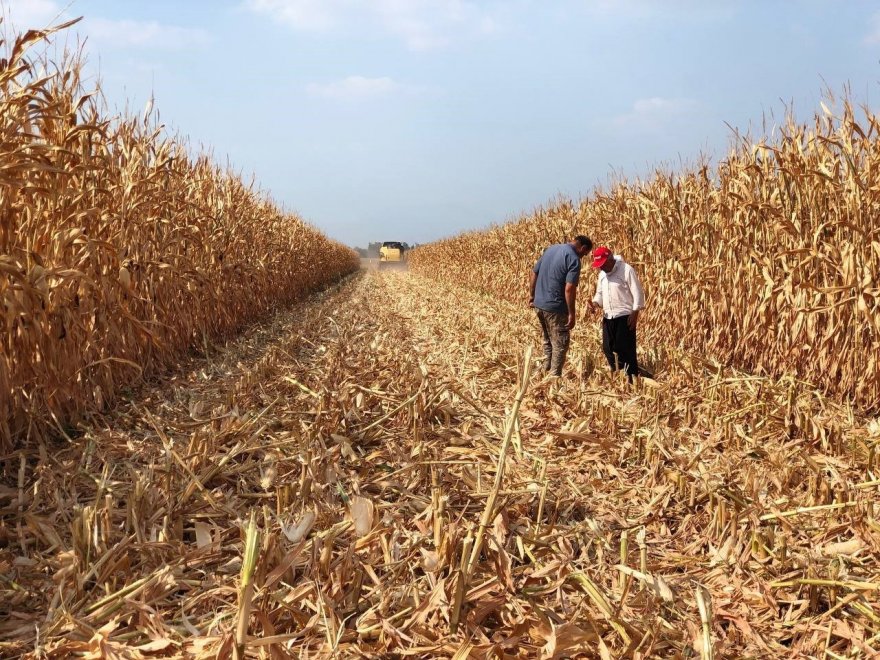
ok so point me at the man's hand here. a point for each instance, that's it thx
(571, 290)
(633, 320)
(533, 282)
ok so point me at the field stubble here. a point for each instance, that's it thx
(354, 448)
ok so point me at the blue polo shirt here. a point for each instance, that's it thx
(558, 266)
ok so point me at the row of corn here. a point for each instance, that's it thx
(119, 249)
(767, 261)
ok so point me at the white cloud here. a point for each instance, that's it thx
(32, 14)
(421, 24)
(648, 9)
(143, 34)
(353, 87)
(302, 14)
(27, 14)
(630, 9)
(873, 36)
(655, 113)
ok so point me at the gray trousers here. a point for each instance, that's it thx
(556, 340)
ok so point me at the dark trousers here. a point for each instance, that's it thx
(554, 328)
(619, 345)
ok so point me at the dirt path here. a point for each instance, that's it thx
(361, 430)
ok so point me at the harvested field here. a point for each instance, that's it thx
(370, 475)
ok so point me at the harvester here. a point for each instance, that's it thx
(392, 254)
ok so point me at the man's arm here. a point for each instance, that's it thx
(597, 300)
(572, 279)
(533, 279)
(638, 295)
(570, 297)
(633, 320)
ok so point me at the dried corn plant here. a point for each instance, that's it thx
(371, 476)
(119, 249)
(768, 263)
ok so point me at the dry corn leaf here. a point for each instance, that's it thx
(654, 582)
(566, 640)
(203, 535)
(362, 511)
(296, 533)
(849, 547)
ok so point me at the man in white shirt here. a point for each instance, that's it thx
(620, 296)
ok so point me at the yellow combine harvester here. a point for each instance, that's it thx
(392, 254)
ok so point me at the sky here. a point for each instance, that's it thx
(413, 120)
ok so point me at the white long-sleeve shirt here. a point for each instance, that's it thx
(619, 292)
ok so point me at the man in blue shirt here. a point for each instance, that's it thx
(552, 292)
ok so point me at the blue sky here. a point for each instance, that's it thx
(417, 119)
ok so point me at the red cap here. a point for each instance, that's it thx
(600, 256)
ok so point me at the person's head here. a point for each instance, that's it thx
(603, 259)
(582, 245)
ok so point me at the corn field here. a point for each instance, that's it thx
(768, 263)
(119, 250)
(377, 469)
